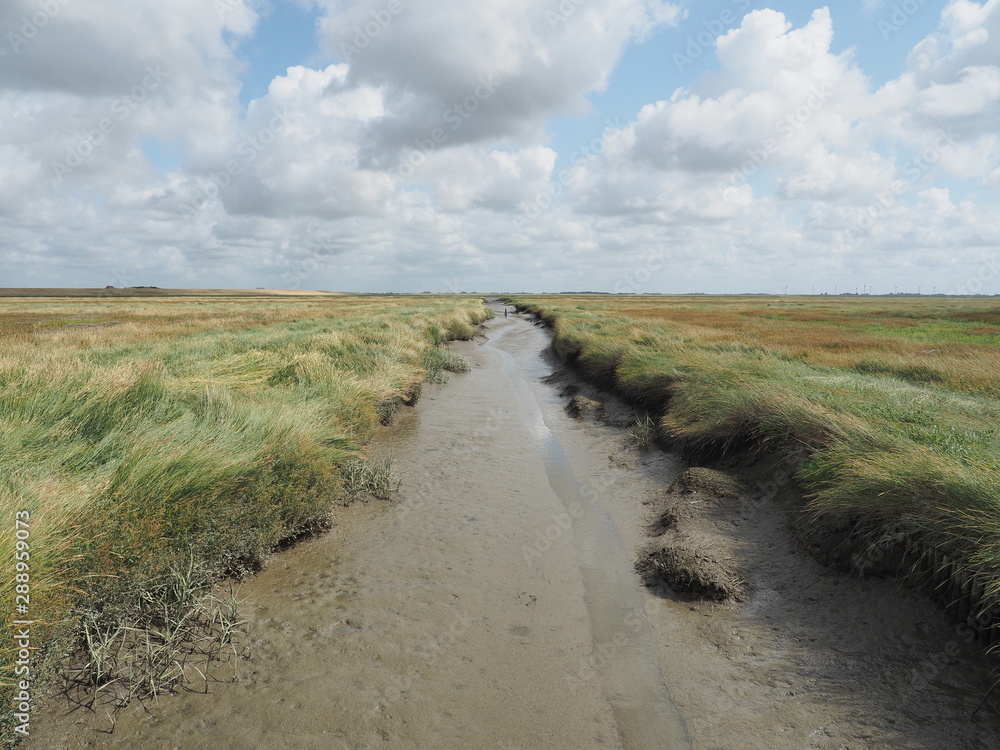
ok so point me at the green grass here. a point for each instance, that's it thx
(438, 361)
(175, 633)
(893, 405)
(643, 432)
(364, 479)
(208, 429)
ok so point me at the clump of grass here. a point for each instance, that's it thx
(643, 432)
(460, 328)
(693, 564)
(700, 479)
(387, 410)
(910, 372)
(171, 633)
(438, 360)
(364, 479)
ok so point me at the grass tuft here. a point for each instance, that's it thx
(438, 360)
(643, 432)
(364, 479)
(172, 633)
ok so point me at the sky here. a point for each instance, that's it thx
(630, 146)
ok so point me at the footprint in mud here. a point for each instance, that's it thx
(529, 599)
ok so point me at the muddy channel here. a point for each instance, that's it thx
(494, 604)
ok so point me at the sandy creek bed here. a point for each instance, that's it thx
(494, 605)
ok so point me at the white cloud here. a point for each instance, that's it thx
(977, 91)
(511, 62)
(100, 47)
(780, 100)
(422, 157)
(825, 175)
(463, 178)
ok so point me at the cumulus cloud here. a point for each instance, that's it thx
(419, 152)
(785, 128)
(781, 100)
(951, 82)
(84, 85)
(98, 47)
(510, 63)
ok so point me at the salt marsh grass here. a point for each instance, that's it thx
(143, 434)
(891, 405)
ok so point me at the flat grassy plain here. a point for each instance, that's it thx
(154, 291)
(155, 441)
(890, 407)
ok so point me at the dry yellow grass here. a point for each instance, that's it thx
(953, 341)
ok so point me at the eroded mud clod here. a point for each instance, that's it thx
(581, 406)
(707, 481)
(693, 564)
(692, 553)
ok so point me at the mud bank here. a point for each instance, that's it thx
(494, 605)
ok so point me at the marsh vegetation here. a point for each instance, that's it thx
(162, 444)
(888, 408)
